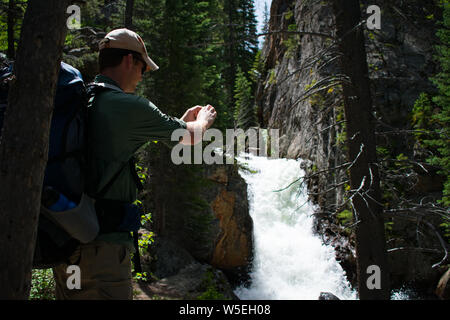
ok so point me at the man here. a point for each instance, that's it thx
(119, 124)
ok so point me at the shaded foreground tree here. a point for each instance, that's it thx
(364, 177)
(129, 14)
(11, 22)
(24, 141)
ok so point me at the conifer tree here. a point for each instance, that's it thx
(240, 39)
(431, 112)
(442, 99)
(244, 112)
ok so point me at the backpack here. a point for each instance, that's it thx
(60, 233)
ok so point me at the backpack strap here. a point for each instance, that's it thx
(106, 86)
(95, 87)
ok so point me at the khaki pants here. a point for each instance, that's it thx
(105, 273)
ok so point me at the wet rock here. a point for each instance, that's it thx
(327, 296)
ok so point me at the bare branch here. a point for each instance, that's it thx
(307, 33)
(441, 241)
(427, 250)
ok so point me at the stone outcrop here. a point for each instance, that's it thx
(206, 216)
(233, 248)
(296, 66)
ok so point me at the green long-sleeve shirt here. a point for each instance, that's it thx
(119, 124)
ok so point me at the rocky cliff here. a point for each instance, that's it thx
(200, 213)
(298, 94)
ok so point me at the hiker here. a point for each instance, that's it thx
(119, 123)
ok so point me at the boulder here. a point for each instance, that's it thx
(327, 296)
(195, 281)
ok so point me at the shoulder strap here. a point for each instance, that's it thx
(95, 87)
(106, 86)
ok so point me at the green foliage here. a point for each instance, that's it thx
(42, 285)
(446, 228)
(145, 241)
(422, 117)
(431, 115)
(345, 217)
(245, 111)
(211, 291)
(257, 71)
(292, 42)
(140, 276)
(19, 11)
(442, 82)
(272, 76)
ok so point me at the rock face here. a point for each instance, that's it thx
(207, 217)
(233, 245)
(297, 94)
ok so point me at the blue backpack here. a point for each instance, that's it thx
(66, 166)
(60, 231)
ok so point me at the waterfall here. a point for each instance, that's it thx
(290, 262)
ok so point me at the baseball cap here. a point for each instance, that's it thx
(130, 40)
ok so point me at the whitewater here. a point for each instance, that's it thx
(290, 262)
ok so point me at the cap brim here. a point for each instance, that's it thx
(151, 66)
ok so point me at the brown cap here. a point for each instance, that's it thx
(130, 40)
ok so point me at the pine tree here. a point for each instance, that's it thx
(240, 39)
(442, 99)
(431, 112)
(247, 32)
(244, 112)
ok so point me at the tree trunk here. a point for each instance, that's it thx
(24, 143)
(370, 239)
(11, 22)
(129, 14)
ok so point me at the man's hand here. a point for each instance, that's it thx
(198, 120)
(207, 115)
(191, 114)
